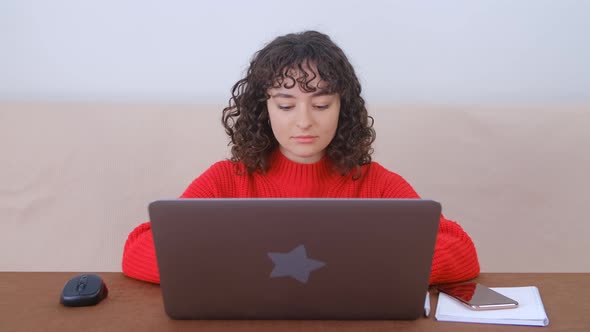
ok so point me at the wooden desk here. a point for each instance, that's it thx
(30, 302)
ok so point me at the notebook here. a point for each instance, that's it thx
(530, 310)
(294, 258)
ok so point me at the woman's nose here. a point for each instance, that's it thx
(304, 120)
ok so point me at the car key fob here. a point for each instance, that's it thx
(83, 290)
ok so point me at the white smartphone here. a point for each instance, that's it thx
(477, 296)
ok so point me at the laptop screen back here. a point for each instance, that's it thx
(294, 258)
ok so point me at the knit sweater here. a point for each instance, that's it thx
(455, 258)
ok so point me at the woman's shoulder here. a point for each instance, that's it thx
(220, 170)
(225, 166)
(222, 165)
(392, 184)
(224, 171)
(375, 170)
(216, 181)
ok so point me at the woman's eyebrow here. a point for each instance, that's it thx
(322, 93)
(315, 94)
(282, 95)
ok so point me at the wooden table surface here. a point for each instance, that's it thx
(29, 301)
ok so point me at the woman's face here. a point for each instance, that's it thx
(303, 123)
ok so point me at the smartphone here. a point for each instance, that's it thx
(477, 296)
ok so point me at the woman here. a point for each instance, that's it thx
(299, 128)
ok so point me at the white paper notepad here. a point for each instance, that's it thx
(530, 309)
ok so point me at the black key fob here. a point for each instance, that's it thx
(83, 290)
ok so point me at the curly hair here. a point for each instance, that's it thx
(281, 63)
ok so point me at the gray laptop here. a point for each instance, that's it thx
(294, 258)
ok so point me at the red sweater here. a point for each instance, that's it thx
(454, 259)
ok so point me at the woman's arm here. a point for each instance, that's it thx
(139, 254)
(455, 258)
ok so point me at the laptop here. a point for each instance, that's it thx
(294, 258)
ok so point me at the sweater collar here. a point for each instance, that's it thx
(286, 171)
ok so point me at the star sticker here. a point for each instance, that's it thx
(294, 264)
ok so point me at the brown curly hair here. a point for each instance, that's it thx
(282, 63)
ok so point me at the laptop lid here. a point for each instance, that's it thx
(294, 258)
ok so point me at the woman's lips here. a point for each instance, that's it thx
(305, 139)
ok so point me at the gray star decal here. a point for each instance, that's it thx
(294, 264)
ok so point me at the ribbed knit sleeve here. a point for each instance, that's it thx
(139, 254)
(455, 258)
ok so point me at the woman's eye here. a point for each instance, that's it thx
(322, 107)
(285, 108)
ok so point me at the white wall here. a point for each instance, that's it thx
(457, 52)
